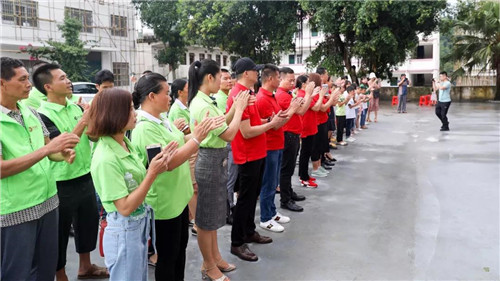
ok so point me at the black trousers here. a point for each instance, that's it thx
(442, 111)
(171, 243)
(250, 181)
(341, 122)
(292, 142)
(77, 206)
(305, 154)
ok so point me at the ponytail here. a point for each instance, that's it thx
(147, 84)
(177, 85)
(197, 72)
(300, 81)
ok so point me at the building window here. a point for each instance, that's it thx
(217, 59)
(299, 59)
(291, 59)
(202, 56)
(209, 56)
(84, 16)
(191, 58)
(224, 60)
(182, 60)
(118, 26)
(20, 12)
(314, 32)
(120, 70)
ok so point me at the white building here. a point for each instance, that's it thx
(108, 28)
(148, 46)
(419, 68)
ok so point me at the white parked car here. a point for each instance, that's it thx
(86, 90)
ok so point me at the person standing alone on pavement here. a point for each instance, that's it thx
(444, 99)
(403, 85)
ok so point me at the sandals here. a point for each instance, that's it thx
(95, 272)
(205, 276)
(230, 267)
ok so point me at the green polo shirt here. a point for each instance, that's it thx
(340, 110)
(35, 98)
(171, 191)
(221, 99)
(116, 172)
(65, 118)
(178, 110)
(73, 98)
(198, 108)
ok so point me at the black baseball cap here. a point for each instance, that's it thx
(246, 64)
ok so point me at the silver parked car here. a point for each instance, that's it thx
(86, 90)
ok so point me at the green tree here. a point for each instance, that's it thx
(164, 18)
(70, 54)
(380, 33)
(261, 30)
(476, 39)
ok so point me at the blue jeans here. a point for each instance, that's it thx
(363, 117)
(269, 183)
(125, 244)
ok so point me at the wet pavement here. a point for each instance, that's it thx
(404, 202)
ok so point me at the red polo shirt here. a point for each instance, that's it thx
(284, 98)
(267, 106)
(309, 125)
(246, 150)
(322, 117)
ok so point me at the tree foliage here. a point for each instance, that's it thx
(164, 18)
(380, 33)
(476, 39)
(70, 54)
(261, 30)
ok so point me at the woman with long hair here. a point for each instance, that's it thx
(211, 164)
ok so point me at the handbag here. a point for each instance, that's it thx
(103, 223)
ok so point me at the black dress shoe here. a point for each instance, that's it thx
(326, 167)
(257, 238)
(244, 253)
(296, 197)
(290, 205)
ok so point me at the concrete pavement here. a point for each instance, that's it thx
(405, 201)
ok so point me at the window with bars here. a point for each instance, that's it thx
(84, 16)
(191, 58)
(201, 56)
(209, 56)
(118, 26)
(217, 59)
(20, 12)
(299, 59)
(224, 60)
(121, 70)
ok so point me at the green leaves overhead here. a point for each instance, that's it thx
(380, 33)
(257, 29)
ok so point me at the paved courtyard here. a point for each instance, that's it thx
(404, 202)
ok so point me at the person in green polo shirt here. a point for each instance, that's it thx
(170, 193)
(76, 192)
(28, 201)
(122, 182)
(211, 165)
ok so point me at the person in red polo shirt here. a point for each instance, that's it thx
(309, 125)
(249, 153)
(268, 107)
(321, 142)
(292, 130)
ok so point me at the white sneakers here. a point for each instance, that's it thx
(274, 223)
(280, 218)
(350, 139)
